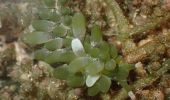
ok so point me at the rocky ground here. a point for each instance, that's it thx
(21, 78)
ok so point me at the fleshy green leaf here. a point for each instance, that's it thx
(41, 54)
(60, 56)
(43, 25)
(91, 80)
(94, 90)
(54, 44)
(94, 52)
(54, 16)
(96, 34)
(94, 67)
(104, 51)
(75, 80)
(123, 70)
(61, 72)
(122, 73)
(48, 14)
(77, 47)
(35, 38)
(44, 13)
(108, 73)
(60, 31)
(78, 26)
(113, 51)
(67, 42)
(78, 64)
(104, 83)
(110, 65)
(50, 3)
(67, 20)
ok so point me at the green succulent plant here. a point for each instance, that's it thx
(80, 58)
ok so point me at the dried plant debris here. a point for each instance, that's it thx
(85, 50)
(15, 16)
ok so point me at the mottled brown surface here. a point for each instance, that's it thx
(33, 80)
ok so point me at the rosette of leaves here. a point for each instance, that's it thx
(79, 58)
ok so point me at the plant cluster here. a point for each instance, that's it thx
(79, 57)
